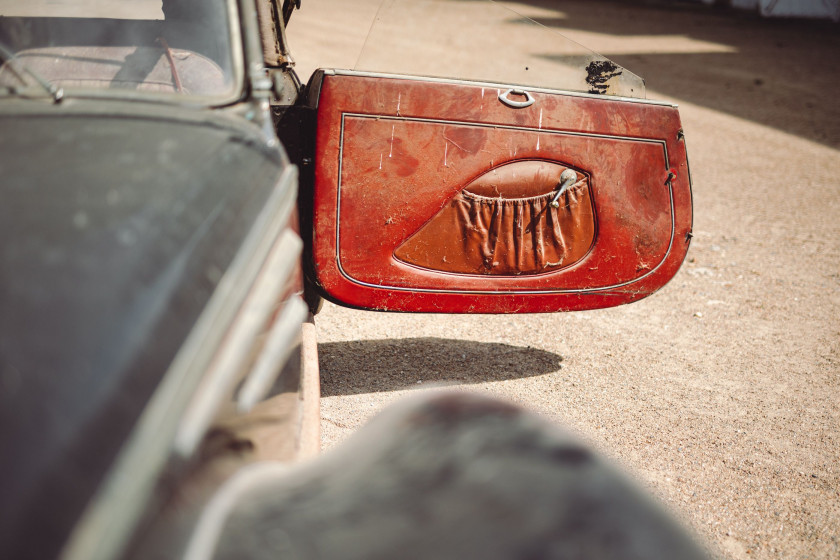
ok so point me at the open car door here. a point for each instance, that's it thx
(447, 195)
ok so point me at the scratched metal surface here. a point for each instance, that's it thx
(380, 139)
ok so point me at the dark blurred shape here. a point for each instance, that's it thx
(451, 475)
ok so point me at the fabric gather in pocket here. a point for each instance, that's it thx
(497, 235)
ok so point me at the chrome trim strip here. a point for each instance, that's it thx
(110, 518)
(278, 347)
(507, 127)
(532, 89)
(236, 46)
(238, 345)
(597, 289)
(250, 43)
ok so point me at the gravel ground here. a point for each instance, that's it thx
(720, 392)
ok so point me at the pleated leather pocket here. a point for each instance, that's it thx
(504, 223)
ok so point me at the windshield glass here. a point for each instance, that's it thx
(486, 41)
(146, 47)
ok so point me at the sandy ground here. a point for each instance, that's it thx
(720, 392)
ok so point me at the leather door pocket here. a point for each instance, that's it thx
(503, 223)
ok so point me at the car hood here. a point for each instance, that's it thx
(115, 228)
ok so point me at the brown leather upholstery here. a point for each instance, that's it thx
(503, 223)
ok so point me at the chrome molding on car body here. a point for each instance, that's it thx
(275, 352)
(234, 353)
(497, 85)
(115, 509)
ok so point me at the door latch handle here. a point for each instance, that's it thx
(529, 100)
(567, 179)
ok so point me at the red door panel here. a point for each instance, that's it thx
(436, 196)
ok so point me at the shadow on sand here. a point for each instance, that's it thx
(370, 366)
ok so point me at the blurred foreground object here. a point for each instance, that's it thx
(443, 475)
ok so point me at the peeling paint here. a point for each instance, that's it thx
(399, 99)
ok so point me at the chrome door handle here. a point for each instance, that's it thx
(529, 100)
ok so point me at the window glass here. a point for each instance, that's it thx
(486, 41)
(154, 47)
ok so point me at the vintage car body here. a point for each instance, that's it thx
(106, 266)
(161, 259)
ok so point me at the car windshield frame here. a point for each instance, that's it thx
(237, 52)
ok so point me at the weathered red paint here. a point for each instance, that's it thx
(392, 152)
